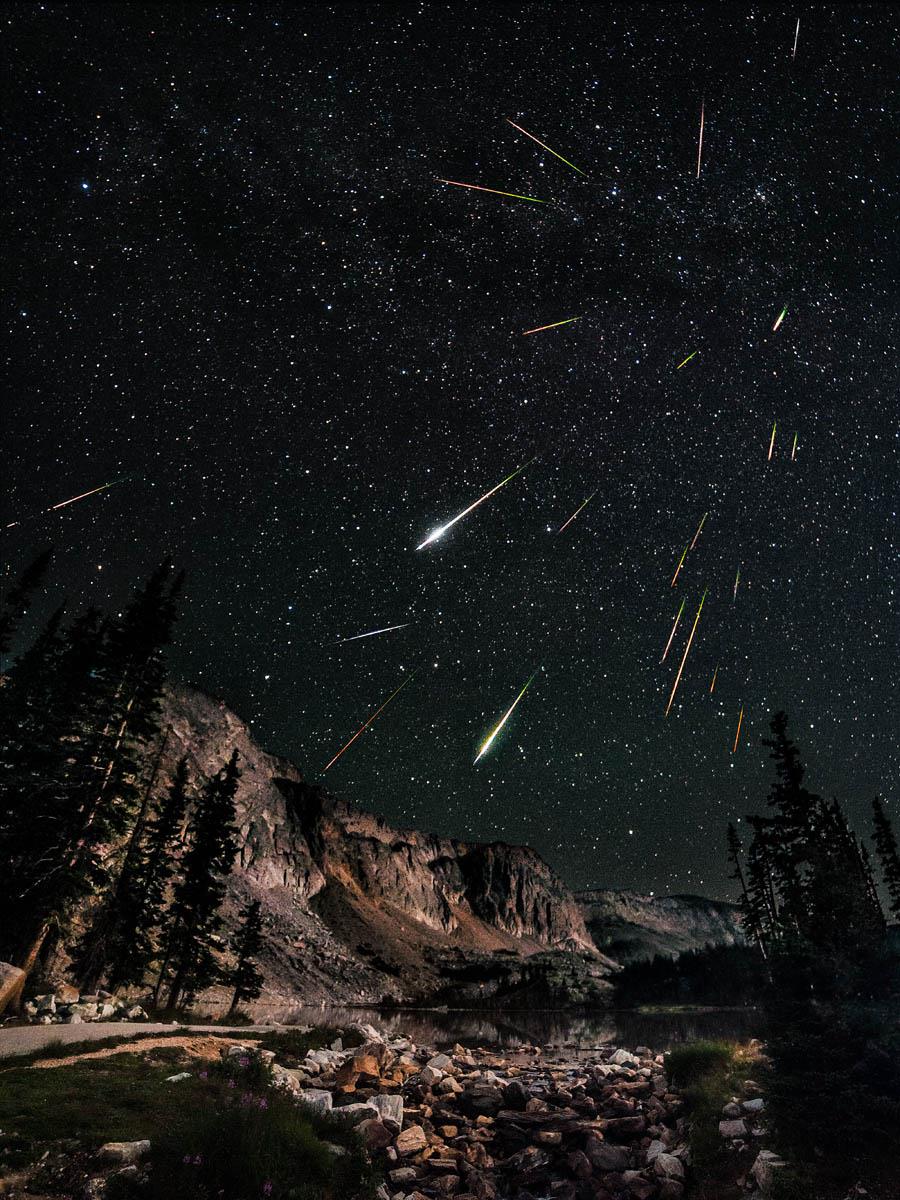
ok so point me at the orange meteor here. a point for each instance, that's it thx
(738, 734)
(555, 325)
(712, 686)
(686, 652)
(672, 634)
(375, 714)
(699, 527)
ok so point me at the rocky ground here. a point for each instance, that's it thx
(477, 1124)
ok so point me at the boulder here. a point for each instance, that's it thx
(667, 1166)
(732, 1129)
(315, 1098)
(123, 1153)
(754, 1106)
(67, 994)
(12, 981)
(440, 1062)
(623, 1058)
(390, 1106)
(353, 1114)
(765, 1168)
(603, 1156)
(374, 1133)
(46, 1003)
(411, 1141)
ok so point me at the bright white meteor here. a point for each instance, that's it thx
(489, 740)
(371, 633)
(442, 529)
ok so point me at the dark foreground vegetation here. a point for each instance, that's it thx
(223, 1130)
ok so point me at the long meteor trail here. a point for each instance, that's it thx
(686, 652)
(478, 188)
(442, 529)
(555, 325)
(74, 499)
(375, 714)
(737, 736)
(699, 527)
(772, 441)
(796, 36)
(779, 319)
(371, 633)
(487, 743)
(672, 634)
(576, 512)
(700, 144)
(547, 148)
(687, 360)
(680, 565)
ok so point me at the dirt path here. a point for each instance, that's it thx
(28, 1038)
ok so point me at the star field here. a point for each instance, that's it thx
(235, 280)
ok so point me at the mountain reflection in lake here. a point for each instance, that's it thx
(438, 1027)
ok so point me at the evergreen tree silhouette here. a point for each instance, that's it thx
(245, 977)
(189, 964)
(888, 855)
(16, 601)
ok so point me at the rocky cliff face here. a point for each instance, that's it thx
(358, 910)
(629, 926)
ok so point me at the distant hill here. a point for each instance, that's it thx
(630, 926)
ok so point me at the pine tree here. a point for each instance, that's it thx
(888, 855)
(245, 977)
(72, 790)
(753, 917)
(122, 940)
(190, 962)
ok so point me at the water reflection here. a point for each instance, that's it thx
(439, 1027)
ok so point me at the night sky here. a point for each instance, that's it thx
(234, 279)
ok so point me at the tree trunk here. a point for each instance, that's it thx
(32, 954)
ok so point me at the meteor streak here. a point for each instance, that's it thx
(672, 634)
(680, 565)
(738, 734)
(772, 442)
(686, 652)
(794, 449)
(700, 146)
(375, 714)
(712, 686)
(73, 499)
(486, 744)
(576, 512)
(441, 530)
(699, 527)
(779, 319)
(737, 580)
(477, 188)
(371, 633)
(796, 36)
(555, 325)
(687, 360)
(547, 148)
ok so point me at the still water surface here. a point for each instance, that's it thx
(438, 1027)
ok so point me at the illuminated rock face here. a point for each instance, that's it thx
(358, 910)
(630, 926)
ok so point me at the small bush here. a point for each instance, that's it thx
(245, 1139)
(688, 1064)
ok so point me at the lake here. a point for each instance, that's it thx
(511, 1028)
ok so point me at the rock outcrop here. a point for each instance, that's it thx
(629, 926)
(357, 910)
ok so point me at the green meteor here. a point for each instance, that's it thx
(547, 148)
(487, 743)
(687, 360)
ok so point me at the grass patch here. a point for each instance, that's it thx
(707, 1075)
(224, 1133)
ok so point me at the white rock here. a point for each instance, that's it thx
(441, 1062)
(622, 1057)
(354, 1113)
(654, 1150)
(123, 1152)
(178, 1078)
(315, 1098)
(754, 1106)
(390, 1105)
